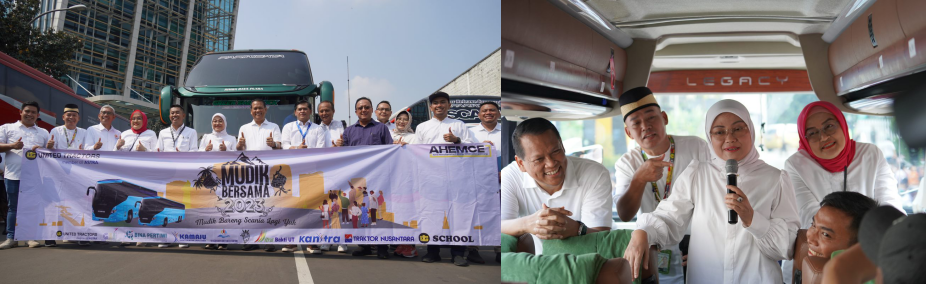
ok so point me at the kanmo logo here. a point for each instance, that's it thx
(348, 238)
(456, 151)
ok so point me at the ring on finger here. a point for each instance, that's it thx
(739, 199)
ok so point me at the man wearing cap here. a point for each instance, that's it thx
(67, 137)
(177, 138)
(644, 175)
(441, 129)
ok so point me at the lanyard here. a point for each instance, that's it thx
(668, 176)
(179, 134)
(307, 125)
(72, 136)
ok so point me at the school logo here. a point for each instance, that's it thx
(58, 234)
(31, 155)
(348, 238)
(424, 238)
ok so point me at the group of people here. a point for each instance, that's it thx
(258, 135)
(678, 187)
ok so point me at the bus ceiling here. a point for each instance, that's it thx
(570, 59)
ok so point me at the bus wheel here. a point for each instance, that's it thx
(128, 217)
(179, 219)
(165, 222)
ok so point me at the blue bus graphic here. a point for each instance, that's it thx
(160, 211)
(116, 200)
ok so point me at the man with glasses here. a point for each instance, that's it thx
(383, 112)
(367, 132)
(488, 131)
(177, 138)
(644, 175)
(103, 137)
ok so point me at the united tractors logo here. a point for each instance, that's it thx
(31, 155)
(424, 238)
(58, 234)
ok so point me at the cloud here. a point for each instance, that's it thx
(374, 88)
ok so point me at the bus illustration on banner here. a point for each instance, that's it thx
(116, 200)
(160, 211)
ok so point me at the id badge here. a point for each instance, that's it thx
(663, 261)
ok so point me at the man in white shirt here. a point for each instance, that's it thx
(641, 174)
(441, 129)
(488, 131)
(67, 137)
(332, 129)
(177, 138)
(15, 140)
(103, 136)
(258, 135)
(383, 112)
(302, 134)
(549, 195)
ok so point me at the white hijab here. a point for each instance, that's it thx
(224, 122)
(751, 162)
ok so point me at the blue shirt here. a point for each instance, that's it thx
(375, 133)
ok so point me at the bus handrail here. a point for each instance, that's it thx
(89, 188)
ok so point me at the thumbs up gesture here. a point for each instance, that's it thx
(19, 144)
(270, 142)
(222, 146)
(140, 148)
(98, 144)
(340, 141)
(119, 143)
(449, 137)
(303, 146)
(209, 146)
(400, 142)
(51, 143)
(241, 141)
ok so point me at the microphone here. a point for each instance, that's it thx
(731, 180)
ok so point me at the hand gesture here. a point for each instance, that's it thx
(141, 148)
(637, 251)
(119, 143)
(98, 144)
(549, 223)
(222, 146)
(51, 143)
(270, 142)
(303, 146)
(400, 142)
(340, 141)
(738, 202)
(449, 137)
(241, 142)
(651, 169)
(490, 142)
(209, 146)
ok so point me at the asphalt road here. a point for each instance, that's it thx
(109, 263)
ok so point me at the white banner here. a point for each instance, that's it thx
(413, 194)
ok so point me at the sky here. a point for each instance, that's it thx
(400, 51)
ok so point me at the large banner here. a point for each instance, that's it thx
(389, 194)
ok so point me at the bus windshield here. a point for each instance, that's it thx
(237, 111)
(251, 68)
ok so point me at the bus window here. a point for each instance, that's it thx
(160, 212)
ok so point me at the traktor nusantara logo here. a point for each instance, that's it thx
(424, 238)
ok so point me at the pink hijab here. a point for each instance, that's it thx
(841, 161)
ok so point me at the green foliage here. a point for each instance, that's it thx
(47, 52)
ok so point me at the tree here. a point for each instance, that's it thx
(47, 52)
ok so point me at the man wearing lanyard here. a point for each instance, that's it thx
(15, 140)
(177, 138)
(644, 175)
(302, 134)
(366, 132)
(67, 137)
(259, 135)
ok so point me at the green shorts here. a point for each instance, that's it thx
(573, 260)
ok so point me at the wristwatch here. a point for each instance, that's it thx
(582, 229)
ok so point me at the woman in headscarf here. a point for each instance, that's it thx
(403, 128)
(218, 140)
(745, 252)
(139, 138)
(829, 161)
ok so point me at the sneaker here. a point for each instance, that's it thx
(8, 243)
(399, 250)
(141, 244)
(222, 247)
(363, 251)
(270, 248)
(410, 252)
(83, 243)
(460, 261)
(429, 258)
(342, 248)
(163, 245)
(209, 246)
(326, 247)
(474, 257)
(183, 246)
(250, 247)
(33, 244)
(314, 249)
(288, 248)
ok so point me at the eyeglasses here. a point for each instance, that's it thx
(738, 132)
(384, 109)
(364, 107)
(813, 134)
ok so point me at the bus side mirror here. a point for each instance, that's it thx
(326, 92)
(137, 204)
(164, 103)
(89, 188)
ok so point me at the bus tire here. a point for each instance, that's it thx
(165, 222)
(179, 219)
(128, 217)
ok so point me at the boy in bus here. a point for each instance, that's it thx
(302, 134)
(643, 176)
(15, 139)
(177, 138)
(69, 137)
(258, 135)
(383, 112)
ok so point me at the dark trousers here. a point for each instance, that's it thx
(373, 215)
(454, 250)
(344, 216)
